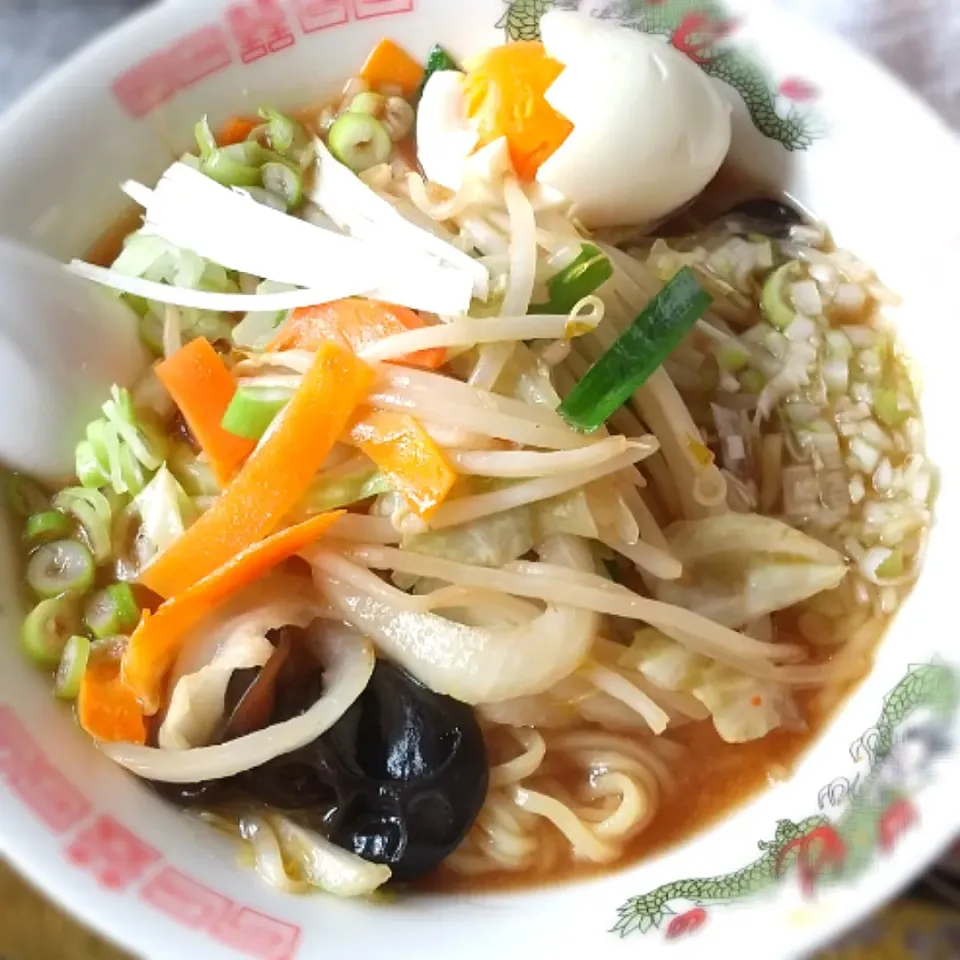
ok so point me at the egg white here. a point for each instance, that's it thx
(650, 128)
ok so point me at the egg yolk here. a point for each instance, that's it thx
(505, 90)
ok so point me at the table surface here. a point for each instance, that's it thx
(916, 39)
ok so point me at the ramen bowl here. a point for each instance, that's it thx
(869, 805)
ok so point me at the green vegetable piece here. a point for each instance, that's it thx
(437, 60)
(220, 166)
(112, 611)
(63, 566)
(752, 381)
(44, 527)
(638, 352)
(284, 134)
(893, 566)
(92, 509)
(252, 410)
(285, 182)
(333, 492)
(590, 271)
(369, 103)
(73, 665)
(25, 496)
(886, 404)
(733, 357)
(360, 141)
(774, 296)
(47, 628)
(206, 142)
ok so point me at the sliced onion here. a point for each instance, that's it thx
(468, 663)
(325, 865)
(348, 658)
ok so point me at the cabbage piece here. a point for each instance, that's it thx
(738, 567)
(148, 256)
(165, 512)
(743, 708)
(499, 539)
(333, 490)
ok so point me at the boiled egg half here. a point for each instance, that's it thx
(620, 124)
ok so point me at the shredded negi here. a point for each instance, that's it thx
(433, 493)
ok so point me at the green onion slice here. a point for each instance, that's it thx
(47, 628)
(437, 60)
(283, 181)
(639, 351)
(112, 611)
(773, 299)
(590, 271)
(252, 410)
(63, 566)
(73, 665)
(360, 141)
(47, 526)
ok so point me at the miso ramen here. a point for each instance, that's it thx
(507, 494)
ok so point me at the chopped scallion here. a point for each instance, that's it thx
(283, 181)
(893, 566)
(63, 566)
(73, 665)
(437, 60)
(886, 403)
(44, 527)
(252, 410)
(360, 141)
(639, 351)
(111, 611)
(774, 296)
(47, 628)
(590, 271)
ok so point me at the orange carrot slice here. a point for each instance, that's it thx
(354, 322)
(405, 454)
(236, 130)
(274, 478)
(157, 641)
(106, 707)
(201, 386)
(391, 65)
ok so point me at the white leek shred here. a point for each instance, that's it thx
(743, 708)
(354, 207)
(229, 228)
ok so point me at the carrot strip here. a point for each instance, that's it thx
(391, 65)
(274, 478)
(407, 456)
(354, 322)
(106, 707)
(202, 388)
(157, 641)
(236, 130)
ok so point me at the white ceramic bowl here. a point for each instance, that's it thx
(864, 155)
